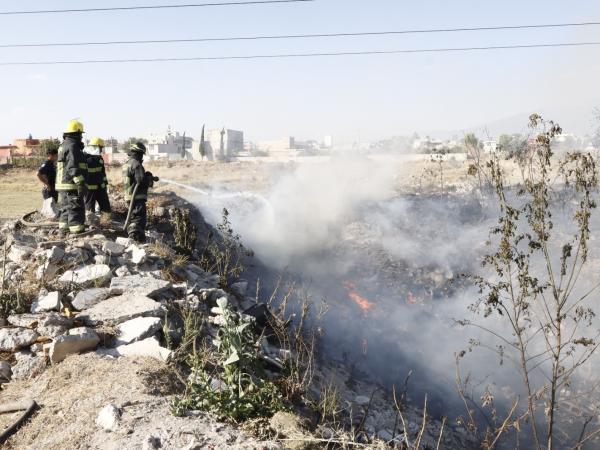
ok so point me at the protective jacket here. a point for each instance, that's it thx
(96, 173)
(71, 166)
(134, 174)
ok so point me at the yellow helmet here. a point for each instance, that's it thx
(74, 126)
(96, 141)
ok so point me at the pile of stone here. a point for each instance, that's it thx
(103, 295)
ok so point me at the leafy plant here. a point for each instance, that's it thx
(236, 388)
(224, 255)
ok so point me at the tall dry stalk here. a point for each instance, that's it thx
(535, 290)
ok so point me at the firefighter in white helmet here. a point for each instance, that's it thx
(96, 180)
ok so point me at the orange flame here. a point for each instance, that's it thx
(411, 299)
(362, 302)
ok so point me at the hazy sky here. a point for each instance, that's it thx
(356, 97)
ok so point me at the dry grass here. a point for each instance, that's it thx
(20, 193)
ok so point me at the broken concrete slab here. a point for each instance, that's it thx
(45, 303)
(137, 329)
(49, 324)
(76, 341)
(19, 253)
(148, 347)
(54, 254)
(119, 309)
(12, 339)
(113, 248)
(138, 284)
(47, 270)
(96, 274)
(28, 367)
(90, 297)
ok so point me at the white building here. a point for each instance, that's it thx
(490, 146)
(221, 144)
(169, 146)
(279, 147)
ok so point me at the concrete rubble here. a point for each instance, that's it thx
(122, 308)
(149, 347)
(13, 339)
(137, 284)
(137, 329)
(49, 324)
(45, 303)
(77, 340)
(95, 275)
(90, 297)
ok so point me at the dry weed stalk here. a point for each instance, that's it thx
(549, 316)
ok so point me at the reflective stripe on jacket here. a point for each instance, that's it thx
(70, 166)
(96, 174)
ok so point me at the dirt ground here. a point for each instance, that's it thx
(72, 393)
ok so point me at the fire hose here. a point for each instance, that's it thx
(28, 406)
(26, 223)
(135, 189)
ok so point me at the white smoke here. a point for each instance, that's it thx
(329, 221)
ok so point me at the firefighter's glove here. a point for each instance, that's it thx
(82, 189)
(150, 179)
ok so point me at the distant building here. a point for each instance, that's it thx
(490, 146)
(223, 144)
(279, 147)
(25, 147)
(6, 153)
(169, 146)
(328, 142)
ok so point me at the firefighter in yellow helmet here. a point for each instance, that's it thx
(96, 180)
(70, 180)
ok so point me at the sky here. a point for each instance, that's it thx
(353, 98)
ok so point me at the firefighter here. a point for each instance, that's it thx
(70, 180)
(96, 181)
(47, 175)
(137, 180)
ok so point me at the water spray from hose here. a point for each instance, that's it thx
(218, 195)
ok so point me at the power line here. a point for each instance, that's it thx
(148, 7)
(300, 55)
(302, 36)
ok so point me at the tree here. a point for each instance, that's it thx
(125, 146)
(517, 148)
(534, 284)
(48, 144)
(474, 148)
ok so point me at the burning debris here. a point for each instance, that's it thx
(363, 303)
